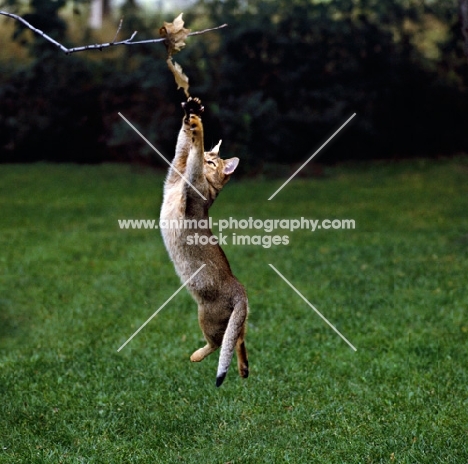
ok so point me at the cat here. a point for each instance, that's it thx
(222, 300)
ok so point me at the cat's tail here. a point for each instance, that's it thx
(234, 339)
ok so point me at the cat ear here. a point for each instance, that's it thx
(230, 166)
(215, 149)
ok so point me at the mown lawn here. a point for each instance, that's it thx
(74, 288)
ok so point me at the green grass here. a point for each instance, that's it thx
(73, 288)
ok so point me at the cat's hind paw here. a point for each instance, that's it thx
(193, 106)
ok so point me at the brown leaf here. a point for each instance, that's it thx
(179, 76)
(175, 34)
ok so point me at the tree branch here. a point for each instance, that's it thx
(69, 51)
(118, 30)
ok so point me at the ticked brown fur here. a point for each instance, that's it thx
(222, 300)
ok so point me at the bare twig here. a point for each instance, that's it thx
(35, 30)
(207, 30)
(69, 51)
(188, 35)
(118, 30)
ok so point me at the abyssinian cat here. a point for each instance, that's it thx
(222, 300)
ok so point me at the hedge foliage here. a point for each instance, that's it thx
(276, 83)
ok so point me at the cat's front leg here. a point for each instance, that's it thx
(195, 161)
(192, 106)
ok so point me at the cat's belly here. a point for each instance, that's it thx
(193, 250)
(188, 254)
(204, 267)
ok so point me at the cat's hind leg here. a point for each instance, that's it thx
(211, 345)
(210, 331)
(242, 360)
(202, 353)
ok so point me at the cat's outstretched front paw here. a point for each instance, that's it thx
(193, 106)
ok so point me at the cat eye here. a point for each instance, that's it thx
(211, 162)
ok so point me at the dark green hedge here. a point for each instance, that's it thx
(276, 84)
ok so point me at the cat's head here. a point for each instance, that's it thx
(218, 171)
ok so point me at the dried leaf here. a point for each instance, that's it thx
(175, 34)
(179, 76)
